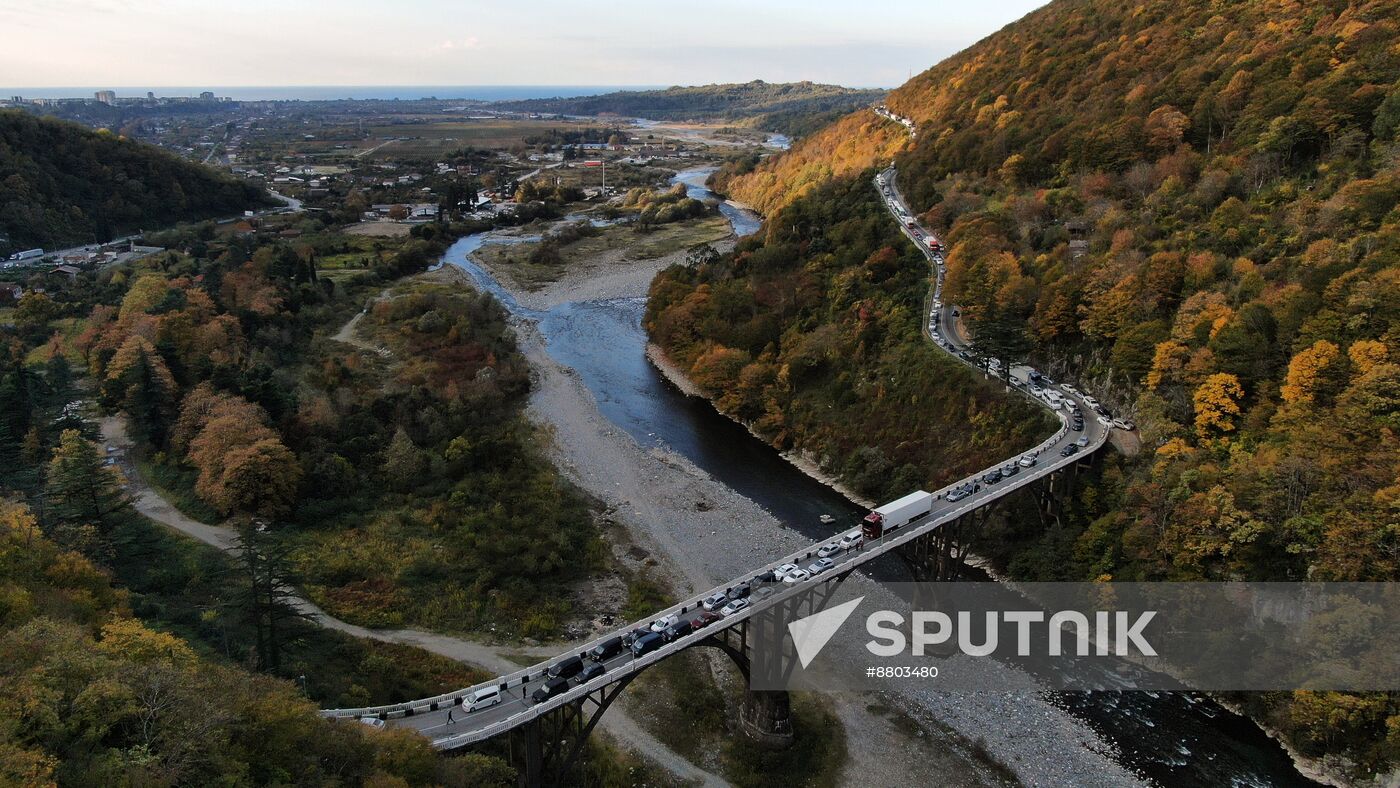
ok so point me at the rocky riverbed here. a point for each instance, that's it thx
(709, 533)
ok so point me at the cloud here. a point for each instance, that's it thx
(469, 42)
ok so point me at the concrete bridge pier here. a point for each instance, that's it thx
(766, 717)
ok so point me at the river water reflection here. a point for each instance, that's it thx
(1172, 739)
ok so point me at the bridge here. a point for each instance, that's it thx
(547, 737)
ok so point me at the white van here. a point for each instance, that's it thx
(1053, 397)
(482, 698)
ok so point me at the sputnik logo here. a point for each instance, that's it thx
(811, 634)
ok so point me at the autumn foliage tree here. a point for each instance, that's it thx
(243, 465)
(1217, 402)
(1308, 372)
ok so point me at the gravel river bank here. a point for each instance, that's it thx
(706, 530)
(713, 501)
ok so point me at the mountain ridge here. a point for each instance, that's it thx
(792, 108)
(1188, 209)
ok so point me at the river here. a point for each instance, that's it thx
(1172, 739)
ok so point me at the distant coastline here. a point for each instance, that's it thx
(335, 92)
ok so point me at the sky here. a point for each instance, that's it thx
(865, 43)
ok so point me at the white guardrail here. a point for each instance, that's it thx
(891, 540)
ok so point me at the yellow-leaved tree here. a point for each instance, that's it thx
(1217, 402)
(1366, 354)
(1307, 370)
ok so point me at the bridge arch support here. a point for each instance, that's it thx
(546, 749)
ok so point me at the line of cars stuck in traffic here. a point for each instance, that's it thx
(1037, 384)
(639, 642)
(582, 668)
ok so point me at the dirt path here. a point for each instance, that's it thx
(347, 335)
(622, 727)
(368, 151)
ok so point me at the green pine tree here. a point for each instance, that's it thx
(80, 489)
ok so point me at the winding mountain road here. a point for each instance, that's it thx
(516, 707)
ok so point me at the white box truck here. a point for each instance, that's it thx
(896, 513)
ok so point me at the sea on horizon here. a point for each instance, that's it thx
(333, 92)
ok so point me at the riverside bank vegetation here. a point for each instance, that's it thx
(395, 481)
(1191, 208)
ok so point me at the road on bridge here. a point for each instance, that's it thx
(430, 715)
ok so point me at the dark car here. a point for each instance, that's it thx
(705, 619)
(1077, 426)
(551, 688)
(740, 591)
(1068, 450)
(631, 637)
(765, 577)
(606, 650)
(566, 668)
(991, 477)
(1008, 470)
(591, 671)
(647, 643)
(678, 630)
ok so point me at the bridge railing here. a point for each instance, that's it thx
(892, 540)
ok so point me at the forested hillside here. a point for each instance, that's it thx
(816, 330)
(397, 482)
(62, 184)
(1190, 207)
(848, 146)
(91, 696)
(785, 107)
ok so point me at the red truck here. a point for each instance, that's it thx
(895, 514)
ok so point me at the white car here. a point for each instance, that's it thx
(783, 571)
(1082, 442)
(1070, 389)
(829, 550)
(373, 722)
(1090, 401)
(734, 607)
(660, 624)
(795, 576)
(1124, 424)
(820, 565)
(714, 601)
(1027, 461)
(852, 539)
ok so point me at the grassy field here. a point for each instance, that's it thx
(68, 328)
(620, 176)
(618, 242)
(428, 139)
(185, 587)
